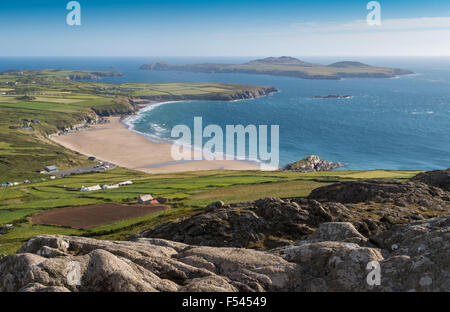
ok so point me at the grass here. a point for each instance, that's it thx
(188, 193)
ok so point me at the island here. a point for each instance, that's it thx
(289, 67)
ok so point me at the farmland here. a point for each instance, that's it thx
(188, 193)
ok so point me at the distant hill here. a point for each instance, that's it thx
(347, 64)
(284, 60)
(290, 67)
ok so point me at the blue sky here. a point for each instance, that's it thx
(224, 28)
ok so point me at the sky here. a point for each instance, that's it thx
(225, 28)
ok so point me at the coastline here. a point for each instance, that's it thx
(127, 121)
(113, 142)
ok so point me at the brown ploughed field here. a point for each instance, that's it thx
(93, 215)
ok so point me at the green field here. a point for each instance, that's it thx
(188, 193)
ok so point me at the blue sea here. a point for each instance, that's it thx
(401, 123)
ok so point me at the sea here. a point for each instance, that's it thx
(400, 123)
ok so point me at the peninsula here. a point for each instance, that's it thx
(290, 67)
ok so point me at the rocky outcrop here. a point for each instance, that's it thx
(437, 178)
(412, 258)
(399, 193)
(312, 163)
(371, 206)
(255, 224)
(86, 124)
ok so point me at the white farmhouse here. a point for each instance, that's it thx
(90, 188)
(145, 199)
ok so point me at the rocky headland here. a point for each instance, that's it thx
(251, 93)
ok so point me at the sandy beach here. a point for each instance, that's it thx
(112, 142)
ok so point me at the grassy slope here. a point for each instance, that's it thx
(188, 192)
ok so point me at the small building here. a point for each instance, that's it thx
(125, 183)
(51, 168)
(90, 188)
(145, 199)
(113, 186)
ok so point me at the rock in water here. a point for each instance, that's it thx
(312, 163)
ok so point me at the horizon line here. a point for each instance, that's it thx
(224, 56)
